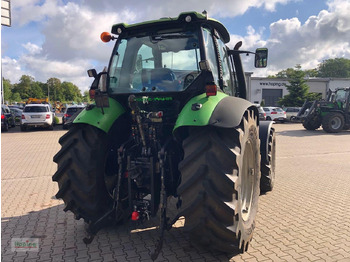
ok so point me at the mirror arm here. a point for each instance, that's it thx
(233, 52)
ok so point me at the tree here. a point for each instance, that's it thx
(16, 97)
(287, 73)
(311, 73)
(297, 88)
(86, 96)
(337, 67)
(36, 90)
(7, 89)
(24, 86)
(55, 90)
(71, 92)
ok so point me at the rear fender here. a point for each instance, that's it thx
(102, 120)
(220, 110)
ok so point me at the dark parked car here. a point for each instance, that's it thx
(7, 118)
(262, 114)
(17, 114)
(70, 114)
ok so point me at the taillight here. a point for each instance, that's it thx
(92, 93)
(23, 117)
(211, 89)
(66, 115)
(264, 114)
(273, 113)
(2, 116)
(47, 116)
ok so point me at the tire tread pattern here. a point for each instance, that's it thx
(79, 174)
(209, 189)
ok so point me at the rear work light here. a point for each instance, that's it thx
(211, 89)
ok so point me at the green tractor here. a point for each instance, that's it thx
(333, 113)
(170, 120)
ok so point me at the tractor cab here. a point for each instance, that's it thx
(172, 55)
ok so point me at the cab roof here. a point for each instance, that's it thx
(169, 21)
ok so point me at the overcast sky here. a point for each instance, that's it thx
(60, 38)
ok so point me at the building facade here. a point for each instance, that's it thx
(272, 89)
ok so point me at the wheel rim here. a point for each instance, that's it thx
(247, 180)
(336, 123)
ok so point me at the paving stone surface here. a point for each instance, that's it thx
(305, 218)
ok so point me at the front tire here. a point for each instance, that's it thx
(312, 124)
(220, 184)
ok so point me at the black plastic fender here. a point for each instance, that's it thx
(229, 112)
(264, 132)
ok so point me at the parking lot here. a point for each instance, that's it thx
(305, 218)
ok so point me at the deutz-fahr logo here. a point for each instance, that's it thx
(147, 99)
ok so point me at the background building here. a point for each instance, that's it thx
(272, 89)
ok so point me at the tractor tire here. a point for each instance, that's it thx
(268, 165)
(333, 122)
(311, 124)
(220, 184)
(83, 165)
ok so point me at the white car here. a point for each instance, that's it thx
(275, 114)
(37, 115)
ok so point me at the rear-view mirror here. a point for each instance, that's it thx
(92, 73)
(261, 57)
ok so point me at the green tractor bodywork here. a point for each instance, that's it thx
(102, 120)
(170, 111)
(333, 113)
(197, 112)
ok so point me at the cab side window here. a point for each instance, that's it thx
(211, 54)
(225, 63)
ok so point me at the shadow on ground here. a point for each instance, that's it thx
(304, 132)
